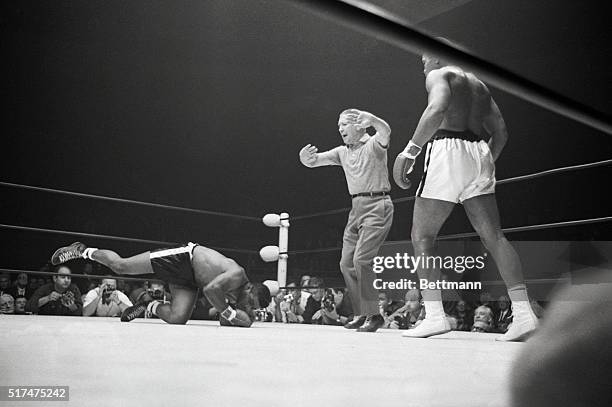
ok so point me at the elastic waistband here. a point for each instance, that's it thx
(370, 194)
(186, 248)
(466, 135)
(191, 246)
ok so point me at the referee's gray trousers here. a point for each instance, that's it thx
(367, 228)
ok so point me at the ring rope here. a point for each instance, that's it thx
(485, 282)
(377, 23)
(474, 234)
(500, 182)
(109, 237)
(78, 275)
(330, 212)
(128, 201)
(559, 170)
(114, 277)
(138, 279)
(534, 227)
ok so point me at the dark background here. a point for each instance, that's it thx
(205, 104)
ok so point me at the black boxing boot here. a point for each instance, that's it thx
(67, 253)
(133, 312)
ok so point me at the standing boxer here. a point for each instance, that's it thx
(460, 168)
(185, 268)
(364, 161)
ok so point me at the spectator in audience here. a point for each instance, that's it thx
(412, 313)
(60, 297)
(463, 316)
(483, 319)
(275, 305)
(7, 304)
(89, 285)
(389, 311)
(105, 300)
(35, 283)
(288, 310)
(267, 313)
(263, 315)
(503, 317)
(124, 286)
(337, 308)
(344, 306)
(304, 294)
(5, 283)
(150, 290)
(568, 362)
(138, 292)
(20, 304)
(291, 307)
(20, 287)
(486, 299)
(312, 313)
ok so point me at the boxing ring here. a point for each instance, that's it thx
(149, 362)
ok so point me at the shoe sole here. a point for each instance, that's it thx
(126, 319)
(55, 258)
(520, 338)
(427, 336)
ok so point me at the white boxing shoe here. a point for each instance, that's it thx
(523, 326)
(429, 327)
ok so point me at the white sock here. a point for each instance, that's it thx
(520, 300)
(152, 307)
(518, 293)
(433, 303)
(434, 309)
(88, 252)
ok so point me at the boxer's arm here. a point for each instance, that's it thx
(231, 279)
(438, 100)
(495, 125)
(439, 95)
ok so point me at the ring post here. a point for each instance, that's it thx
(278, 253)
(283, 243)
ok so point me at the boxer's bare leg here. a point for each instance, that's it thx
(484, 216)
(180, 309)
(428, 217)
(139, 264)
